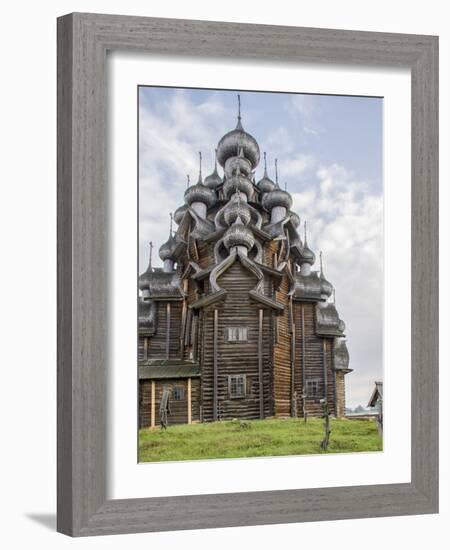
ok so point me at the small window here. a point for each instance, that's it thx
(236, 334)
(236, 386)
(312, 387)
(178, 393)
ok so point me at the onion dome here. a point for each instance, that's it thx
(308, 256)
(213, 180)
(237, 209)
(179, 214)
(167, 250)
(236, 183)
(145, 277)
(199, 192)
(277, 197)
(230, 143)
(265, 184)
(238, 235)
(326, 287)
(232, 165)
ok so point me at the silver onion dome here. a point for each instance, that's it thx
(277, 197)
(232, 141)
(265, 184)
(238, 163)
(308, 256)
(213, 180)
(199, 192)
(179, 214)
(237, 209)
(326, 287)
(238, 235)
(167, 250)
(238, 182)
(145, 277)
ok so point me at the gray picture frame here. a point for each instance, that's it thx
(83, 203)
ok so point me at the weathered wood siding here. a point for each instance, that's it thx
(340, 387)
(157, 343)
(178, 409)
(235, 357)
(316, 352)
(282, 356)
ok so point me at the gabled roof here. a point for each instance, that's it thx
(376, 394)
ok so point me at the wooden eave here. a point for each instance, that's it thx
(209, 299)
(202, 274)
(266, 301)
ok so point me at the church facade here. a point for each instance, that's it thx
(237, 324)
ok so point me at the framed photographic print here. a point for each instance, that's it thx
(247, 285)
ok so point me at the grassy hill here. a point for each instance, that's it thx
(270, 437)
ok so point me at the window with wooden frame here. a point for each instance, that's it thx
(236, 334)
(236, 386)
(312, 387)
(178, 393)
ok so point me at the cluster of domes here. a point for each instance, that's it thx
(238, 153)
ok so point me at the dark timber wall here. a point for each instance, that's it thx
(235, 357)
(178, 409)
(165, 340)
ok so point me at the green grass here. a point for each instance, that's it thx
(271, 437)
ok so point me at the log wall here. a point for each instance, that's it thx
(235, 358)
(178, 409)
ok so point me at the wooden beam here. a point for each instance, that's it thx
(167, 330)
(334, 385)
(189, 401)
(324, 364)
(260, 364)
(215, 364)
(145, 348)
(183, 319)
(303, 352)
(152, 405)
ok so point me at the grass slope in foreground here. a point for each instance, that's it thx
(271, 437)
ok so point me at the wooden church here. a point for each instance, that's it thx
(237, 324)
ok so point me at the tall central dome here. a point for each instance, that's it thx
(232, 142)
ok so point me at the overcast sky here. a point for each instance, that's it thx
(329, 151)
